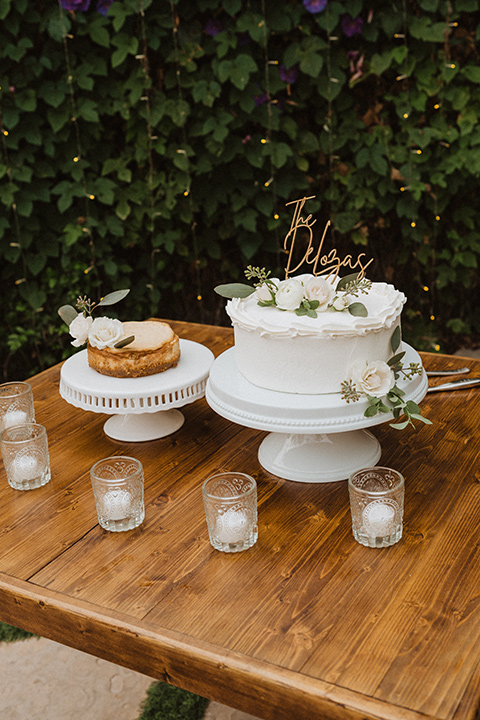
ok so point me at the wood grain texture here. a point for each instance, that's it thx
(307, 623)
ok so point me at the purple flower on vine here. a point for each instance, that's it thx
(75, 5)
(289, 75)
(213, 27)
(314, 6)
(352, 26)
(103, 6)
(260, 99)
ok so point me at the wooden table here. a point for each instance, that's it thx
(306, 624)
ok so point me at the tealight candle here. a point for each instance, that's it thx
(12, 418)
(378, 518)
(376, 504)
(25, 468)
(232, 526)
(117, 504)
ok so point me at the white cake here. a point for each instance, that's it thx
(279, 350)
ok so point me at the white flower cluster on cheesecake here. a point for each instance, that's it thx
(101, 332)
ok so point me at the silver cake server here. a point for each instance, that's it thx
(456, 384)
(459, 371)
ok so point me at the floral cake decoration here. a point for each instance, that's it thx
(309, 297)
(377, 381)
(99, 332)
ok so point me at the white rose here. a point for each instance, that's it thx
(341, 302)
(79, 329)
(289, 294)
(317, 288)
(263, 293)
(375, 378)
(105, 332)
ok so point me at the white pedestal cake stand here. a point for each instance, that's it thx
(313, 438)
(142, 408)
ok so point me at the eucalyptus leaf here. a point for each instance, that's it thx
(396, 339)
(371, 411)
(412, 408)
(400, 426)
(344, 281)
(425, 420)
(125, 341)
(358, 309)
(113, 297)
(68, 314)
(232, 290)
(395, 359)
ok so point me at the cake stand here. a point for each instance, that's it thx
(142, 408)
(312, 438)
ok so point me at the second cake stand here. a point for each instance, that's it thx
(142, 408)
(312, 438)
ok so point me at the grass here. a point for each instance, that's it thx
(166, 702)
(8, 633)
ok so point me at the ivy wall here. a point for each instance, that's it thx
(154, 145)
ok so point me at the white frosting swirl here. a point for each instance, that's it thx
(383, 302)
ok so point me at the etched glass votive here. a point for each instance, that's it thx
(230, 501)
(25, 456)
(16, 404)
(117, 484)
(376, 503)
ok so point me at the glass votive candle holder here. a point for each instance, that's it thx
(25, 456)
(16, 404)
(117, 484)
(230, 501)
(376, 503)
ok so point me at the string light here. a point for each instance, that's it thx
(69, 75)
(187, 193)
(426, 288)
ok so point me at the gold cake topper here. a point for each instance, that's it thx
(323, 263)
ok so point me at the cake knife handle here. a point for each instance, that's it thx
(459, 371)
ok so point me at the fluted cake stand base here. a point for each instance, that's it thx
(142, 408)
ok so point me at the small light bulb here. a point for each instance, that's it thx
(76, 159)
(263, 141)
(437, 217)
(432, 317)
(426, 288)
(405, 115)
(276, 216)
(413, 224)
(199, 297)
(436, 106)
(437, 348)
(92, 197)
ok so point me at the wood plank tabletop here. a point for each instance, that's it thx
(305, 624)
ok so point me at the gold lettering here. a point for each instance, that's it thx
(329, 263)
(298, 222)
